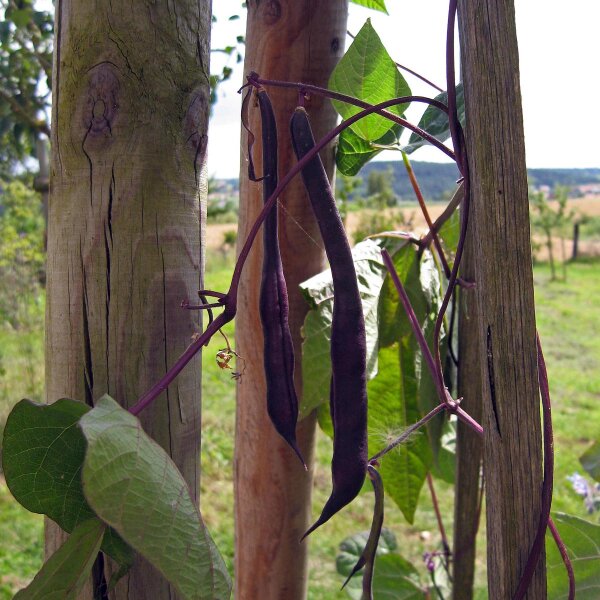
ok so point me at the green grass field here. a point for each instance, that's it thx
(567, 319)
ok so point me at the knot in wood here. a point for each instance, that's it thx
(270, 11)
(102, 103)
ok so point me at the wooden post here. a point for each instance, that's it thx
(130, 114)
(503, 272)
(575, 242)
(293, 40)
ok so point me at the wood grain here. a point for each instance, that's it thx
(293, 40)
(130, 114)
(511, 404)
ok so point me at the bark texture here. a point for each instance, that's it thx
(469, 446)
(130, 113)
(293, 40)
(511, 405)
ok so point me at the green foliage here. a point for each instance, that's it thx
(392, 407)
(582, 540)
(436, 122)
(318, 292)
(43, 451)
(371, 222)
(353, 152)
(367, 72)
(374, 4)
(21, 249)
(66, 572)
(550, 220)
(25, 62)
(133, 485)
(394, 576)
(22, 545)
(129, 481)
(400, 390)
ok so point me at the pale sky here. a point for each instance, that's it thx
(559, 46)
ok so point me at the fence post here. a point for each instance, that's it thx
(504, 279)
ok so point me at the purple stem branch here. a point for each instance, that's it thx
(160, 386)
(455, 129)
(565, 556)
(408, 432)
(435, 370)
(255, 80)
(538, 542)
(438, 515)
(416, 327)
(423, 206)
(229, 300)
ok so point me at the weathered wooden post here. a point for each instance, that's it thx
(503, 272)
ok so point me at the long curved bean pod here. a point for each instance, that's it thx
(348, 394)
(282, 401)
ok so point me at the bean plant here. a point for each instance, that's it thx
(97, 474)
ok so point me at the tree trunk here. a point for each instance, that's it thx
(469, 445)
(511, 405)
(575, 242)
(130, 114)
(294, 40)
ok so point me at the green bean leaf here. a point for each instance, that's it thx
(316, 331)
(66, 572)
(394, 576)
(43, 453)
(374, 4)
(436, 122)
(582, 540)
(134, 486)
(393, 406)
(368, 73)
(353, 152)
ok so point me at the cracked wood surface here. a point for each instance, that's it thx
(293, 40)
(503, 273)
(124, 248)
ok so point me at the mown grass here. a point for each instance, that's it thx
(568, 320)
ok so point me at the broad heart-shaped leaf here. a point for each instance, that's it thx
(316, 331)
(353, 152)
(590, 461)
(134, 486)
(393, 407)
(352, 547)
(582, 540)
(367, 72)
(395, 578)
(65, 573)
(435, 121)
(374, 4)
(43, 453)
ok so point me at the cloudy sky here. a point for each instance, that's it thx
(559, 45)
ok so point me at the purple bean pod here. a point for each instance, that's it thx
(282, 401)
(348, 393)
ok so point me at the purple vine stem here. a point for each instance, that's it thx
(565, 556)
(408, 432)
(538, 542)
(255, 80)
(229, 300)
(446, 401)
(438, 516)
